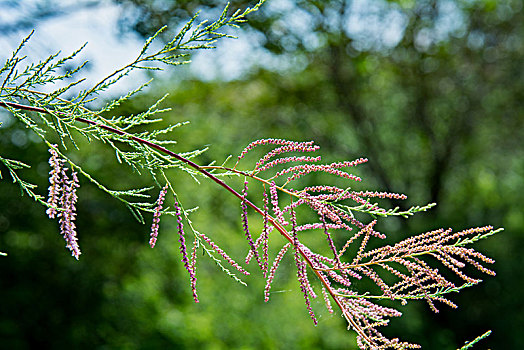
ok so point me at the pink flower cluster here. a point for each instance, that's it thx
(291, 147)
(304, 169)
(156, 216)
(62, 200)
(56, 164)
(396, 272)
(183, 250)
(288, 160)
(265, 236)
(280, 142)
(305, 286)
(274, 201)
(273, 270)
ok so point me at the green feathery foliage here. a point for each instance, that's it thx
(57, 116)
(470, 344)
(401, 272)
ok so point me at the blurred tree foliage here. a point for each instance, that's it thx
(430, 91)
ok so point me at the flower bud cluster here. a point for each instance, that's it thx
(156, 216)
(288, 160)
(62, 200)
(292, 147)
(265, 235)
(305, 286)
(56, 164)
(68, 215)
(304, 169)
(396, 272)
(261, 142)
(274, 201)
(183, 250)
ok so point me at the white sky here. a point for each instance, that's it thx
(108, 49)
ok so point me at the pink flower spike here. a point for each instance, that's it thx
(156, 216)
(193, 267)
(304, 169)
(288, 160)
(246, 227)
(292, 147)
(271, 275)
(68, 215)
(268, 142)
(348, 163)
(54, 179)
(183, 250)
(274, 201)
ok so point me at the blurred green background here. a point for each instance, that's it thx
(432, 92)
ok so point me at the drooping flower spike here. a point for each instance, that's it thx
(62, 200)
(156, 216)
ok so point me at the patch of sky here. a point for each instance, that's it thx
(107, 49)
(450, 22)
(374, 24)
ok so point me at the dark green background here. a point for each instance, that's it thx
(440, 122)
